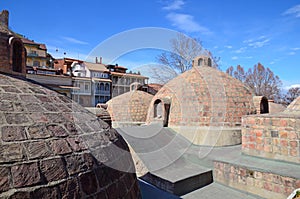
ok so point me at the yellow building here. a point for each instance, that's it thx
(36, 53)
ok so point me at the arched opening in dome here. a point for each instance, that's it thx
(264, 105)
(158, 109)
(17, 56)
(209, 62)
(200, 62)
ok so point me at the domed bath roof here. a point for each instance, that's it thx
(202, 97)
(130, 107)
(294, 107)
(51, 147)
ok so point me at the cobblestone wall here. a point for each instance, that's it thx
(272, 136)
(50, 147)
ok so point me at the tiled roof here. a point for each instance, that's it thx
(31, 42)
(96, 67)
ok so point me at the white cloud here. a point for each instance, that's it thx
(291, 53)
(257, 43)
(295, 49)
(187, 23)
(272, 62)
(241, 50)
(174, 5)
(228, 46)
(75, 41)
(234, 58)
(291, 86)
(295, 11)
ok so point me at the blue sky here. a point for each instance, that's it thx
(239, 32)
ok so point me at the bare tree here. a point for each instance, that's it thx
(262, 81)
(238, 73)
(291, 95)
(180, 59)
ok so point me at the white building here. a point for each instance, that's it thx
(93, 82)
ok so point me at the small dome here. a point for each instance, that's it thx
(204, 105)
(51, 147)
(294, 106)
(129, 107)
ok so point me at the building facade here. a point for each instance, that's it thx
(93, 81)
(36, 53)
(123, 81)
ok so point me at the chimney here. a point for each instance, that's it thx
(4, 18)
(100, 60)
(96, 60)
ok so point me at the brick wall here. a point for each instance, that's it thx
(272, 136)
(265, 184)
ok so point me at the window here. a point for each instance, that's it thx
(106, 87)
(86, 87)
(101, 86)
(36, 63)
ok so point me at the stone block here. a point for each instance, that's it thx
(76, 144)
(13, 133)
(60, 147)
(46, 192)
(25, 175)
(11, 153)
(38, 132)
(57, 130)
(4, 179)
(88, 183)
(70, 189)
(37, 150)
(53, 169)
(16, 118)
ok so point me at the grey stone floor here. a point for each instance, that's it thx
(159, 148)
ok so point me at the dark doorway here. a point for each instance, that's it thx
(17, 57)
(264, 105)
(167, 113)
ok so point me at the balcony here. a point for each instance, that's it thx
(102, 92)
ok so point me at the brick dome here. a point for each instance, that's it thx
(51, 147)
(129, 107)
(294, 106)
(201, 97)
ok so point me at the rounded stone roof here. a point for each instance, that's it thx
(202, 96)
(129, 107)
(51, 147)
(294, 106)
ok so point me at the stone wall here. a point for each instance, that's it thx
(272, 136)
(265, 184)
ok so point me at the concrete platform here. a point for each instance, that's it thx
(180, 178)
(162, 152)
